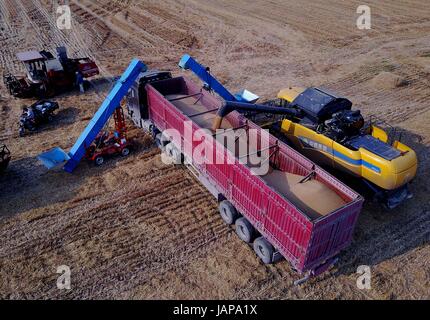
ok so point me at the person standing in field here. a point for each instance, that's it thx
(80, 81)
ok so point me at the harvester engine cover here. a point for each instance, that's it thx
(344, 124)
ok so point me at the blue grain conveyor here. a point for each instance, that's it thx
(189, 63)
(57, 156)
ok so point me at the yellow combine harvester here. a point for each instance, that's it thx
(330, 133)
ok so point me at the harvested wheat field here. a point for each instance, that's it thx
(137, 228)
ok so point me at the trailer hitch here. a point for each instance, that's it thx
(317, 271)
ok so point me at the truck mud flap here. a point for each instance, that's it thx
(277, 256)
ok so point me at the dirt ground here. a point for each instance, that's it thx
(136, 228)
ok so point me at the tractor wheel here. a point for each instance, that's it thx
(245, 230)
(125, 152)
(87, 85)
(264, 250)
(99, 160)
(228, 212)
(174, 153)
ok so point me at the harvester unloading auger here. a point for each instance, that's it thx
(109, 107)
(323, 127)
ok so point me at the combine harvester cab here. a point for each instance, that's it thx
(46, 74)
(211, 83)
(323, 130)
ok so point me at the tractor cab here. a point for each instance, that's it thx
(327, 131)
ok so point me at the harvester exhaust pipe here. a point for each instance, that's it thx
(229, 106)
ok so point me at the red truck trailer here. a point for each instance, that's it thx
(278, 221)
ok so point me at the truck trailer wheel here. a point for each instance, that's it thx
(228, 212)
(245, 230)
(99, 161)
(264, 250)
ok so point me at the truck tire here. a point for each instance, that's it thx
(245, 230)
(264, 250)
(99, 161)
(125, 152)
(159, 141)
(228, 212)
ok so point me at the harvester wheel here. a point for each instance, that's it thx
(245, 230)
(228, 212)
(264, 250)
(125, 152)
(99, 160)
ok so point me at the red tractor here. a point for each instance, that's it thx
(47, 75)
(108, 144)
